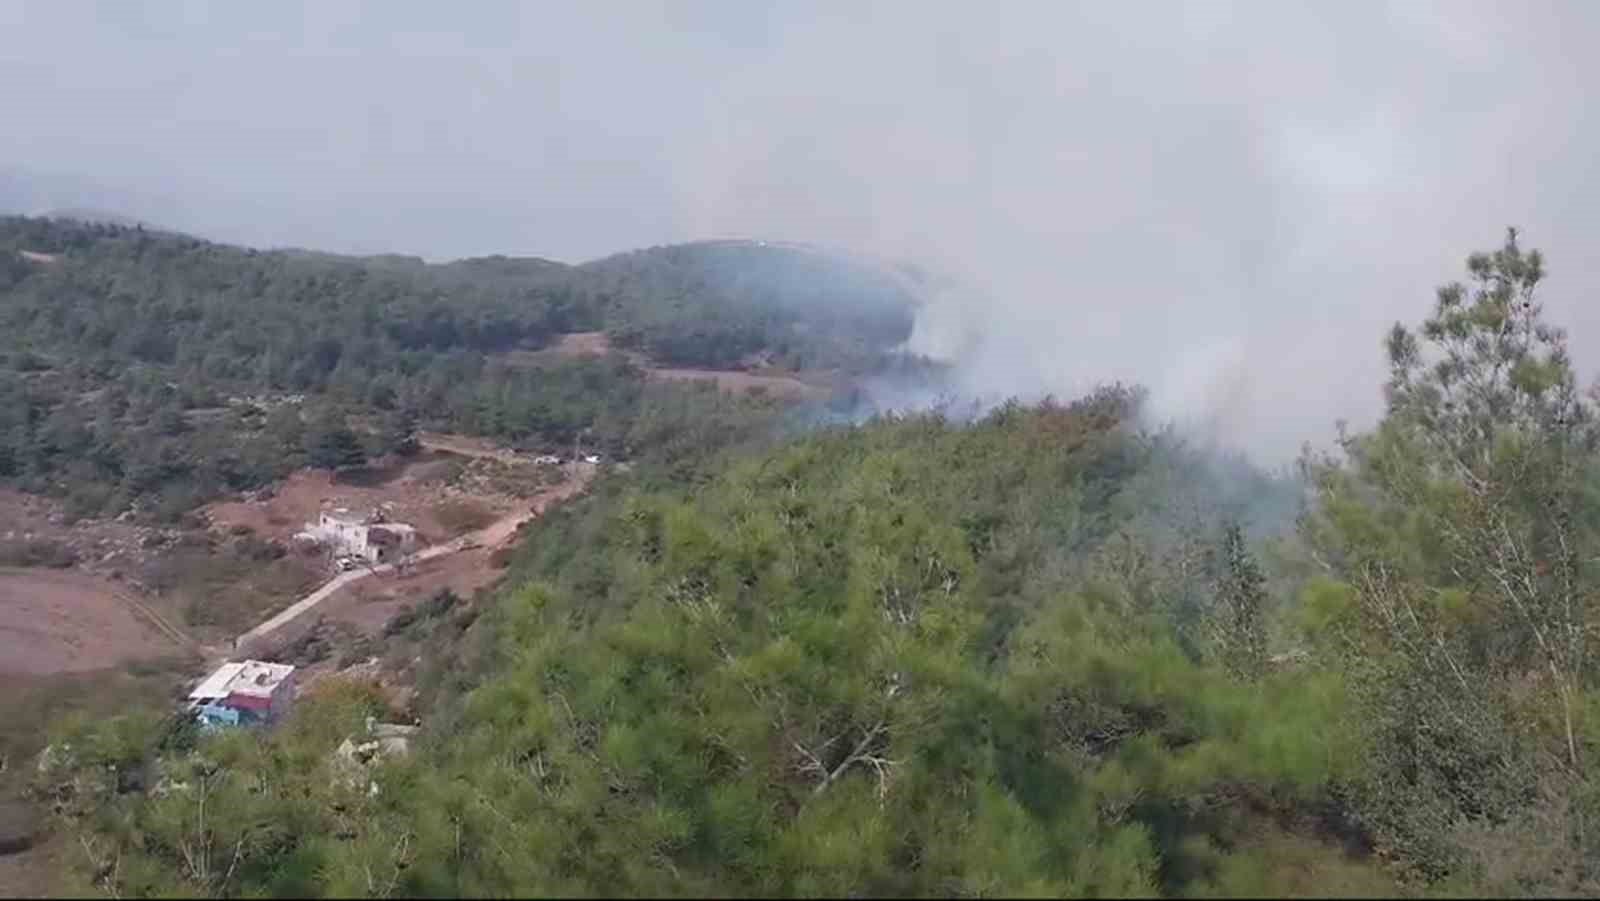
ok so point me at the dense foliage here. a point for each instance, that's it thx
(152, 367)
(1460, 544)
(1041, 653)
(910, 658)
(809, 309)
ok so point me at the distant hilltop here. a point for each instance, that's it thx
(103, 217)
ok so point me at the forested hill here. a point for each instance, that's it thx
(702, 304)
(1046, 653)
(110, 337)
(815, 309)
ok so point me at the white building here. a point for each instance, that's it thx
(354, 536)
(243, 692)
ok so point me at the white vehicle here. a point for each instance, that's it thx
(591, 458)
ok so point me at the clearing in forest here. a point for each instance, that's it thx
(778, 383)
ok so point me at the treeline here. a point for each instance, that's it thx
(124, 355)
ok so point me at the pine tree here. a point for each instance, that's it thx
(1239, 620)
(330, 444)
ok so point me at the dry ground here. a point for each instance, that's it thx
(777, 385)
(412, 492)
(84, 636)
(130, 579)
(101, 546)
(581, 344)
(65, 621)
(368, 604)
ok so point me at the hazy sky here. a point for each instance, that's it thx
(1226, 201)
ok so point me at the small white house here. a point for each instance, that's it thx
(353, 536)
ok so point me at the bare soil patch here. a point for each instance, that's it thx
(468, 446)
(411, 493)
(65, 621)
(785, 386)
(757, 372)
(582, 344)
(368, 604)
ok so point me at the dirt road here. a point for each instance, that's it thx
(492, 536)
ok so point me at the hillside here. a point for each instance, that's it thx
(111, 339)
(811, 309)
(90, 216)
(898, 660)
(1044, 651)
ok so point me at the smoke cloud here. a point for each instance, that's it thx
(1226, 202)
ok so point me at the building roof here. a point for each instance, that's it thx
(249, 677)
(216, 684)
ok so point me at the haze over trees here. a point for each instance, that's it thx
(1046, 652)
(124, 353)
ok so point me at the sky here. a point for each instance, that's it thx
(1228, 202)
